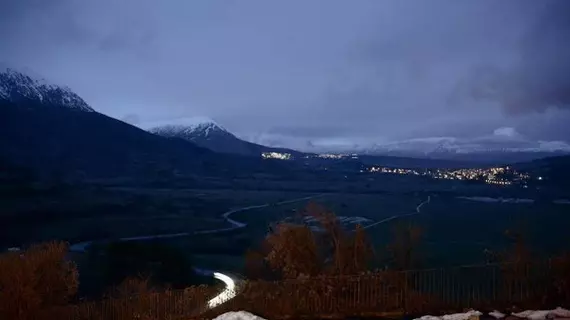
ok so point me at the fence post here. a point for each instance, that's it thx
(404, 292)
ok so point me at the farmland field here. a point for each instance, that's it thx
(459, 230)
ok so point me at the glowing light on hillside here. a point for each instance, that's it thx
(276, 155)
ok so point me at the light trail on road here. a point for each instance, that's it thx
(228, 293)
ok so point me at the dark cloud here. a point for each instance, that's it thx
(540, 76)
(37, 17)
(315, 131)
(73, 23)
(298, 72)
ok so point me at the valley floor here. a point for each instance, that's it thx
(456, 229)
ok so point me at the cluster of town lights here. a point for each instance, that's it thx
(498, 175)
(502, 176)
(276, 155)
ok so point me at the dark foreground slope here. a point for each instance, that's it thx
(55, 140)
(554, 172)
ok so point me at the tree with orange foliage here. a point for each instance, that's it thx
(560, 266)
(131, 286)
(256, 266)
(332, 240)
(294, 251)
(516, 263)
(34, 280)
(297, 250)
(363, 252)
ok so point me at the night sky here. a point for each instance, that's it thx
(300, 73)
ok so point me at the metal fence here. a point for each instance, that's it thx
(376, 293)
(172, 304)
(482, 286)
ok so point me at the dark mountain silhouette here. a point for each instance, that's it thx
(208, 134)
(53, 131)
(553, 171)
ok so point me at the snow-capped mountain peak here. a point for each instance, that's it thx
(190, 128)
(23, 85)
(206, 133)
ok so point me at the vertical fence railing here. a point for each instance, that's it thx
(381, 292)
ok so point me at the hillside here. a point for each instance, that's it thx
(56, 133)
(554, 171)
(68, 140)
(208, 134)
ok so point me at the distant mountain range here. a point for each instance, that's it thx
(502, 146)
(52, 130)
(499, 147)
(206, 133)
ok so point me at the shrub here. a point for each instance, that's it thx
(297, 250)
(36, 279)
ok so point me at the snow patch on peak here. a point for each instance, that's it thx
(191, 122)
(21, 83)
(194, 126)
(29, 74)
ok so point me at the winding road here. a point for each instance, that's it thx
(82, 246)
(398, 216)
(230, 283)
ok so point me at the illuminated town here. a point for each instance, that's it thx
(287, 156)
(276, 155)
(331, 156)
(334, 156)
(499, 175)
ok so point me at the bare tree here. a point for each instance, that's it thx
(406, 238)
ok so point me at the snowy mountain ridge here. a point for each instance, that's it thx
(191, 128)
(22, 85)
(503, 144)
(466, 146)
(206, 133)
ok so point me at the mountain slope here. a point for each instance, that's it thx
(66, 140)
(18, 87)
(52, 130)
(208, 134)
(554, 171)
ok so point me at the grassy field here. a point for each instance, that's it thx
(98, 214)
(459, 230)
(371, 207)
(456, 231)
